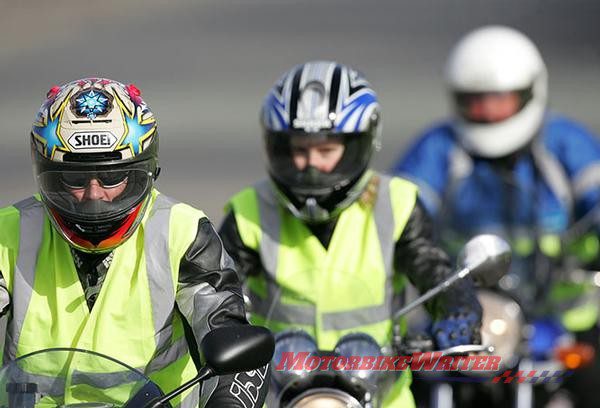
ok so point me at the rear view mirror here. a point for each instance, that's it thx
(487, 257)
(235, 349)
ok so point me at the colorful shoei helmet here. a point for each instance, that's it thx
(99, 131)
(320, 101)
(497, 60)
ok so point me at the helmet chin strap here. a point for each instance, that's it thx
(313, 212)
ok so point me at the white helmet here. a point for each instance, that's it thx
(498, 59)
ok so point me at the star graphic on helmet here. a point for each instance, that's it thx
(138, 131)
(92, 104)
(48, 133)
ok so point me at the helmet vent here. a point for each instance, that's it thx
(92, 157)
(77, 122)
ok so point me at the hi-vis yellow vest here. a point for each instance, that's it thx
(345, 288)
(134, 318)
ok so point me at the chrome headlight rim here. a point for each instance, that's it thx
(305, 399)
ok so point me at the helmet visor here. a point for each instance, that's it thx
(317, 163)
(95, 193)
(491, 107)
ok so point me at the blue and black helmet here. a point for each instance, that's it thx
(317, 101)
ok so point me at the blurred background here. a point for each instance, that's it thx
(204, 67)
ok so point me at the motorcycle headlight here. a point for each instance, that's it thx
(288, 344)
(325, 398)
(360, 345)
(501, 326)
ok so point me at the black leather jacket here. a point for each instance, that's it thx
(207, 277)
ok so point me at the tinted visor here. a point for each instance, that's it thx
(491, 107)
(96, 193)
(106, 179)
(311, 163)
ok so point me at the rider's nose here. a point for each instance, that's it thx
(94, 190)
(315, 160)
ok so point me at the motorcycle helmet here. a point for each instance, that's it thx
(96, 131)
(320, 102)
(502, 62)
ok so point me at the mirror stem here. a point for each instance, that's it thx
(442, 286)
(203, 374)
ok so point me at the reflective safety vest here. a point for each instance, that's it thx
(348, 287)
(134, 318)
(345, 288)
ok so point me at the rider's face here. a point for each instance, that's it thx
(490, 107)
(322, 155)
(94, 190)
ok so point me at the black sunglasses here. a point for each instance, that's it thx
(107, 179)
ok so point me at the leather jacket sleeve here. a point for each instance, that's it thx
(247, 261)
(209, 296)
(4, 297)
(426, 265)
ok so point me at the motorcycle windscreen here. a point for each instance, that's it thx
(63, 377)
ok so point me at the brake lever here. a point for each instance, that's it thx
(465, 349)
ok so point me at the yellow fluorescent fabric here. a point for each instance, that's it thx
(122, 322)
(343, 289)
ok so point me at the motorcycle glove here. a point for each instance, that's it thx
(457, 328)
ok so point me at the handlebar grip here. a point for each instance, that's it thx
(466, 349)
(416, 344)
(21, 395)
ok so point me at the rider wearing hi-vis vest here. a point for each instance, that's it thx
(101, 261)
(325, 243)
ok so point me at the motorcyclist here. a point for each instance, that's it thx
(101, 261)
(325, 242)
(503, 163)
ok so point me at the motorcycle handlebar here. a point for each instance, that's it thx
(424, 343)
(466, 349)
